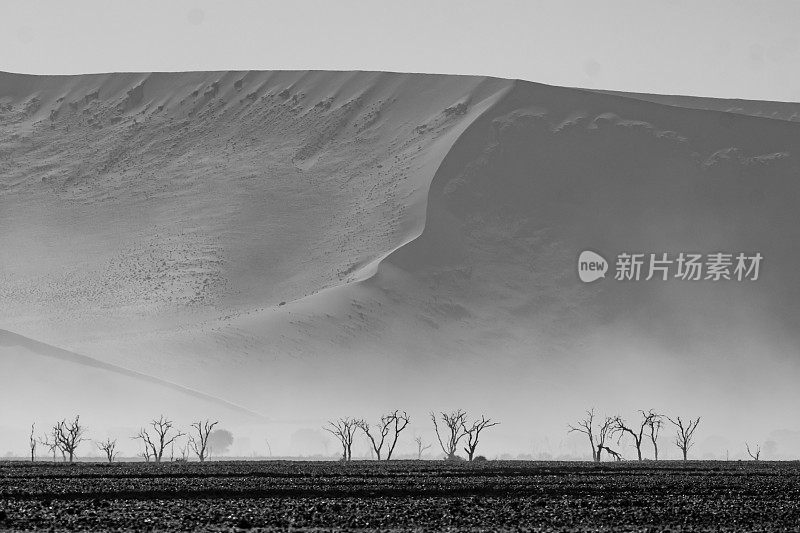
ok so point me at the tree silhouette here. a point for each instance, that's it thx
(108, 446)
(474, 432)
(219, 441)
(684, 436)
(198, 440)
(49, 441)
(421, 447)
(343, 429)
(606, 430)
(620, 427)
(394, 423)
(755, 453)
(454, 430)
(586, 426)
(33, 442)
(163, 435)
(654, 425)
(68, 436)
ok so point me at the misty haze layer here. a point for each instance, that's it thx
(307, 245)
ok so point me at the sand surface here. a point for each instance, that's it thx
(307, 245)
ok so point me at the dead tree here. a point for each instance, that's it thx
(394, 423)
(68, 436)
(654, 425)
(474, 432)
(32, 442)
(343, 429)
(614, 454)
(755, 453)
(620, 428)
(684, 436)
(49, 441)
(455, 426)
(376, 436)
(163, 435)
(184, 450)
(108, 446)
(586, 426)
(399, 422)
(198, 441)
(421, 447)
(606, 430)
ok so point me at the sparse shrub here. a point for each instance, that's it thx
(480, 459)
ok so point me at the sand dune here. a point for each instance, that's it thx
(774, 110)
(312, 244)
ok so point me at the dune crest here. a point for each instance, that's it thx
(260, 235)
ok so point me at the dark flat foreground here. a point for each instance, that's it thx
(403, 495)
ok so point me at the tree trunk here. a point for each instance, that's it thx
(599, 453)
(685, 450)
(639, 451)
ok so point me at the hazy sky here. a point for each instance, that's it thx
(729, 48)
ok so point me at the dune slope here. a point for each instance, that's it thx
(315, 244)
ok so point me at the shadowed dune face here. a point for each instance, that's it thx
(535, 182)
(551, 172)
(311, 245)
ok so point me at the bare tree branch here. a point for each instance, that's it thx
(455, 426)
(620, 428)
(68, 436)
(586, 426)
(473, 433)
(655, 423)
(108, 446)
(613, 453)
(684, 436)
(50, 443)
(376, 438)
(343, 429)
(198, 441)
(421, 447)
(164, 434)
(606, 430)
(33, 442)
(755, 453)
(399, 422)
